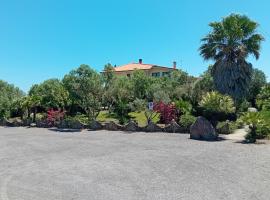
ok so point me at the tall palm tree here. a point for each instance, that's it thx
(229, 44)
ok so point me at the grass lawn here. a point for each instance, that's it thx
(139, 117)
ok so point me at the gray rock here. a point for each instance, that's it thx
(14, 122)
(70, 124)
(173, 127)
(112, 126)
(95, 125)
(202, 129)
(152, 127)
(132, 126)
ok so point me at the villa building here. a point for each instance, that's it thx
(149, 69)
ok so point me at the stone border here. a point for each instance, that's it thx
(95, 125)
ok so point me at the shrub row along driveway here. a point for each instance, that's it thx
(39, 164)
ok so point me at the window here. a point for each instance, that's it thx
(128, 75)
(165, 73)
(156, 74)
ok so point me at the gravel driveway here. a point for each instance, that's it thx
(41, 164)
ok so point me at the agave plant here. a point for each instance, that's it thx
(229, 44)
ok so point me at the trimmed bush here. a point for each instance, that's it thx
(186, 121)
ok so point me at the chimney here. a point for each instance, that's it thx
(140, 61)
(174, 65)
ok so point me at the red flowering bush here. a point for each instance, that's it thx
(167, 112)
(54, 117)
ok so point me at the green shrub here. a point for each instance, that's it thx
(259, 128)
(226, 127)
(184, 107)
(71, 122)
(243, 106)
(263, 98)
(187, 120)
(217, 106)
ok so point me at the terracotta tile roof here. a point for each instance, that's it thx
(134, 66)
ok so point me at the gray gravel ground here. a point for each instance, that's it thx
(40, 164)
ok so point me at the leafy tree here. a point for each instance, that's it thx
(85, 88)
(229, 44)
(202, 85)
(258, 80)
(118, 95)
(263, 98)
(108, 74)
(140, 83)
(8, 95)
(49, 94)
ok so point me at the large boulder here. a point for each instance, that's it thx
(70, 124)
(202, 129)
(112, 126)
(132, 127)
(173, 127)
(152, 127)
(95, 125)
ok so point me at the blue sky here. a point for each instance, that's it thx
(41, 39)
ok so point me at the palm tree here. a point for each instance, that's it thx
(229, 44)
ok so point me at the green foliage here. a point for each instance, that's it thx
(229, 44)
(226, 127)
(259, 128)
(105, 116)
(108, 74)
(8, 96)
(243, 106)
(121, 110)
(49, 94)
(263, 98)
(138, 105)
(117, 97)
(258, 81)
(187, 120)
(85, 88)
(140, 84)
(216, 106)
(184, 107)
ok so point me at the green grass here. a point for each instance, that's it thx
(139, 117)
